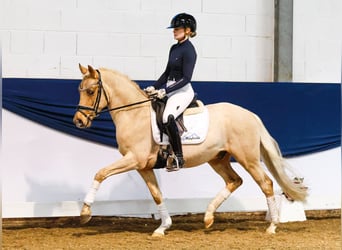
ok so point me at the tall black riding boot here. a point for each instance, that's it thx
(175, 141)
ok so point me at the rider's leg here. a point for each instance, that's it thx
(175, 141)
(177, 102)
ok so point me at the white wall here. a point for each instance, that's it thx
(317, 41)
(47, 39)
(47, 173)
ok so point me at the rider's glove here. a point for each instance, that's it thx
(161, 93)
(150, 90)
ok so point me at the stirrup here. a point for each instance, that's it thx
(177, 164)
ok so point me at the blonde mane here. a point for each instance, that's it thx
(123, 78)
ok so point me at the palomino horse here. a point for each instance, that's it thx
(233, 132)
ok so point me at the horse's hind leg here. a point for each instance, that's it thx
(233, 181)
(152, 184)
(266, 185)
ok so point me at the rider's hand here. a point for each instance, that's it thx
(161, 93)
(150, 90)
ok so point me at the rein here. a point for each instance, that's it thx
(125, 106)
(80, 108)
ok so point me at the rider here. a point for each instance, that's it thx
(175, 81)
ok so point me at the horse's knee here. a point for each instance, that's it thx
(103, 174)
(100, 176)
(238, 182)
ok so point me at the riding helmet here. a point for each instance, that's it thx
(183, 20)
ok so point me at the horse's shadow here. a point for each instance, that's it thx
(183, 223)
(108, 225)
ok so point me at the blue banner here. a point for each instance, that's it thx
(303, 117)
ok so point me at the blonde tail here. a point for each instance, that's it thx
(277, 165)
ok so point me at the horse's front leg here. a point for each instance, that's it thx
(152, 184)
(127, 163)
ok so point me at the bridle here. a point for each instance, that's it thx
(81, 108)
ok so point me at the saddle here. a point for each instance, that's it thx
(165, 154)
(158, 106)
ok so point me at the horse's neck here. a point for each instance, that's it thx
(132, 126)
(122, 92)
(132, 123)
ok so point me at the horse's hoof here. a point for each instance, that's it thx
(271, 229)
(208, 221)
(85, 214)
(160, 231)
(85, 219)
(157, 234)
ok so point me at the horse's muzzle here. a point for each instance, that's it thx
(82, 121)
(79, 123)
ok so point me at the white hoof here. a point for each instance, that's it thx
(208, 220)
(160, 231)
(158, 234)
(271, 229)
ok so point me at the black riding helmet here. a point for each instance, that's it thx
(183, 20)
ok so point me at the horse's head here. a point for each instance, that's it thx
(93, 97)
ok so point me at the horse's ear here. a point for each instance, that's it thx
(93, 73)
(83, 69)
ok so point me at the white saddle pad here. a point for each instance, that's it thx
(196, 125)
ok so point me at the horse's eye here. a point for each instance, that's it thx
(90, 91)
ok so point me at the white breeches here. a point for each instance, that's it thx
(178, 101)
